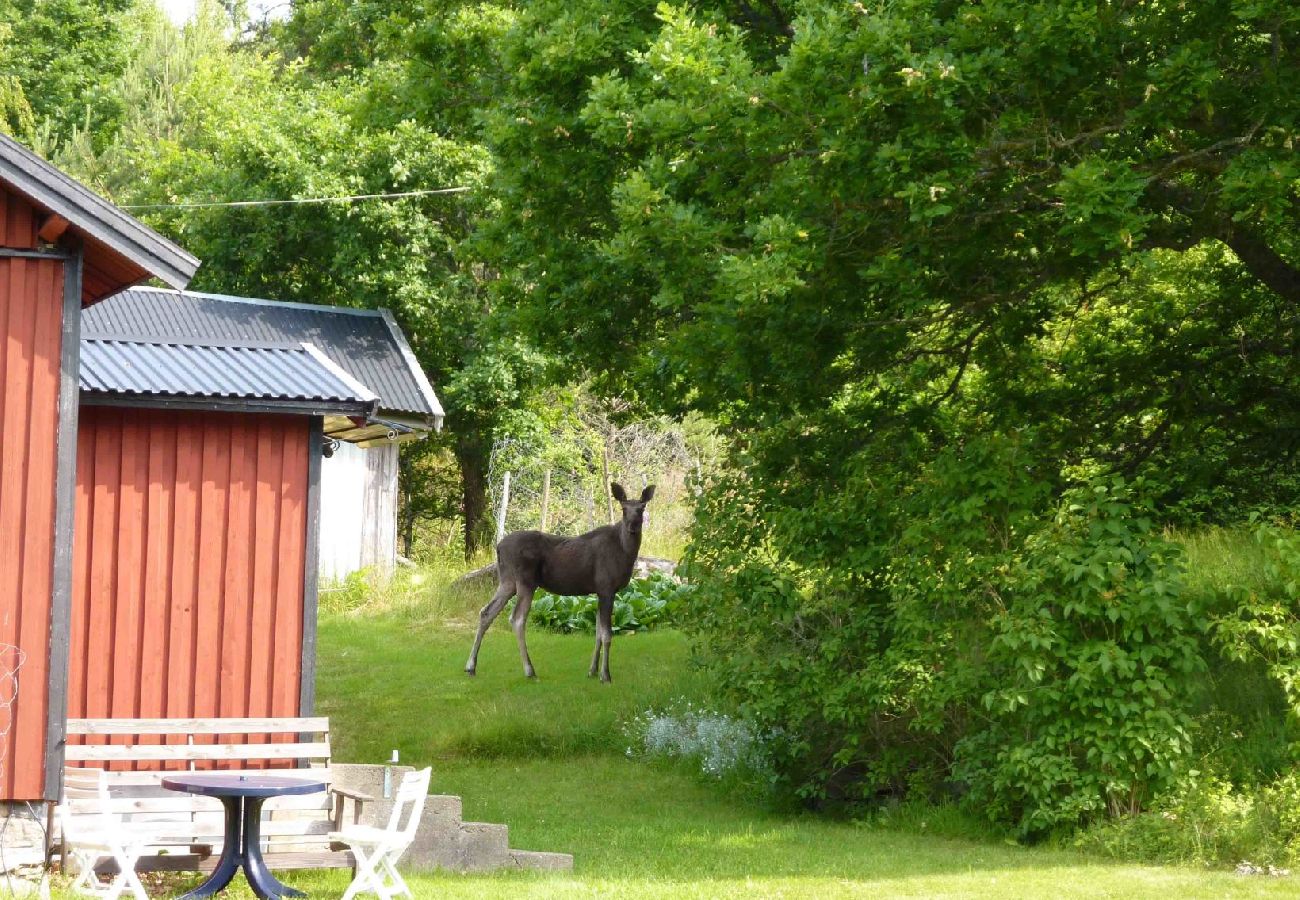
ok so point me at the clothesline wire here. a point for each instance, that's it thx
(297, 200)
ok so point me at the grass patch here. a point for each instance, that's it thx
(548, 759)
(387, 685)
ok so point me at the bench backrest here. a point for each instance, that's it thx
(139, 753)
(179, 744)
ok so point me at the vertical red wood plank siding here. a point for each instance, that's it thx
(189, 564)
(31, 301)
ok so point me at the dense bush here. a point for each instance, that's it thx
(654, 600)
(1034, 657)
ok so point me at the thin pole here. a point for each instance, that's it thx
(604, 471)
(546, 499)
(505, 503)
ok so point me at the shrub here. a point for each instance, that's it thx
(1206, 820)
(1093, 659)
(952, 626)
(649, 602)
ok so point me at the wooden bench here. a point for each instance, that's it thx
(139, 753)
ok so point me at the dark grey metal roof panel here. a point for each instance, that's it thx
(366, 343)
(43, 183)
(266, 372)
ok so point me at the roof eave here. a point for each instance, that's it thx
(89, 213)
(435, 407)
(293, 406)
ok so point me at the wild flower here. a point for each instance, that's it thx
(719, 745)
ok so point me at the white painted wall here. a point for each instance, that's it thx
(358, 510)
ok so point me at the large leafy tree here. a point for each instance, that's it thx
(938, 265)
(768, 215)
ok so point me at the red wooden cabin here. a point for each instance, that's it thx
(158, 498)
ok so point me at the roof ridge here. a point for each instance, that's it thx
(260, 301)
(157, 341)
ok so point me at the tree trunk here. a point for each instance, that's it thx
(472, 457)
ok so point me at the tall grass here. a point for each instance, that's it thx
(433, 592)
(1219, 559)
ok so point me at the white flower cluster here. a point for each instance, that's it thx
(722, 745)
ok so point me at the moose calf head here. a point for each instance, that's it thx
(633, 510)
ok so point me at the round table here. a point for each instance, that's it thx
(243, 796)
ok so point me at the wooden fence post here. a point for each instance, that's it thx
(505, 503)
(604, 471)
(546, 499)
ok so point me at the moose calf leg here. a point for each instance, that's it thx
(595, 658)
(519, 622)
(486, 616)
(605, 632)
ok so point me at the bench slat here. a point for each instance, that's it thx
(193, 803)
(199, 726)
(153, 777)
(143, 752)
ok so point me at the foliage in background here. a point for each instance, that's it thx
(655, 601)
(58, 62)
(561, 463)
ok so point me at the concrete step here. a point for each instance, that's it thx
(540, 859)
(484, 846)
(444, 806)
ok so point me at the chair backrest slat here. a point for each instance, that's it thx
(408, 801)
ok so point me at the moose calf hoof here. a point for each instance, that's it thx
(469, 672)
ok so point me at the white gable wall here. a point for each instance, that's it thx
(358, 510)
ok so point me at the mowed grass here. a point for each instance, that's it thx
(548, 759)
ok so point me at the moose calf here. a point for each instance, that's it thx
(599, 562)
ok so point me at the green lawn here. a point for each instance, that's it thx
(547, 758)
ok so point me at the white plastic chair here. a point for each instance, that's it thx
(377, 850)
(89, 838)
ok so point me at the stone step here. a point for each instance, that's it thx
(541, 859)
(442, 814)
(484, 846)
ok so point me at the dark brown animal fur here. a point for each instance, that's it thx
(599, 562)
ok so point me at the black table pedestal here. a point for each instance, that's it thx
(243, 849)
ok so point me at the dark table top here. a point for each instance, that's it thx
(217, 784)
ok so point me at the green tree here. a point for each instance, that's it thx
(937, 268)
(60, 57)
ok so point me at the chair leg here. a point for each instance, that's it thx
(366, 880)
(85, 873)
(400, 887)
(133, 880)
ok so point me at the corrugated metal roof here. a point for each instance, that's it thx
(205, 370)
(366, 343)
(87, 211)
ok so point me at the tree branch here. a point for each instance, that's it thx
(1251, 247)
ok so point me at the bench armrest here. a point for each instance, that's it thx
(351, 794)
(358, 800)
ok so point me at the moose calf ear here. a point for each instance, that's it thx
(617, 490)
(648, 494)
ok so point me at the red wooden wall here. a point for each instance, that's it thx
(31, 302)
(188, 565)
